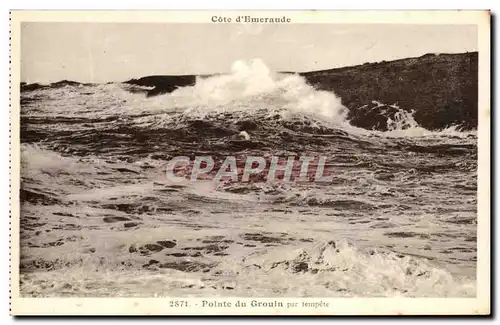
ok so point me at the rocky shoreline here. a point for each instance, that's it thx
(440, 89)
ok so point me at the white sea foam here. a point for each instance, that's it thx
(428, 215)
(250, 88)
(292, 258)
(319, 269)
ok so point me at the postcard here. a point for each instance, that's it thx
(250, 162)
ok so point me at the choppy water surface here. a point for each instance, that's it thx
(99, 217)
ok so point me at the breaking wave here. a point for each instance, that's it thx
(315, 270)
(96, 204)
(250, 90)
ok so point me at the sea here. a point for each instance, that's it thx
(100, 218)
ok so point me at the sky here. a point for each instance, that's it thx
(103, 52)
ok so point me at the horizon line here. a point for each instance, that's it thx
(225, 73)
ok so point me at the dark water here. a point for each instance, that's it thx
(99, 217)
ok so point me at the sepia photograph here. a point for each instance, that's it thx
(254, 155)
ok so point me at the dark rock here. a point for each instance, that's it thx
(31, 87)
(150, 263)
(153, 247)
(59, 84)
(64, 83)
(167, 243)
(373, 116)
(163, 84)
(130, 224)
(441, 89)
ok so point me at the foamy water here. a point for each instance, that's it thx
(100, 218)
